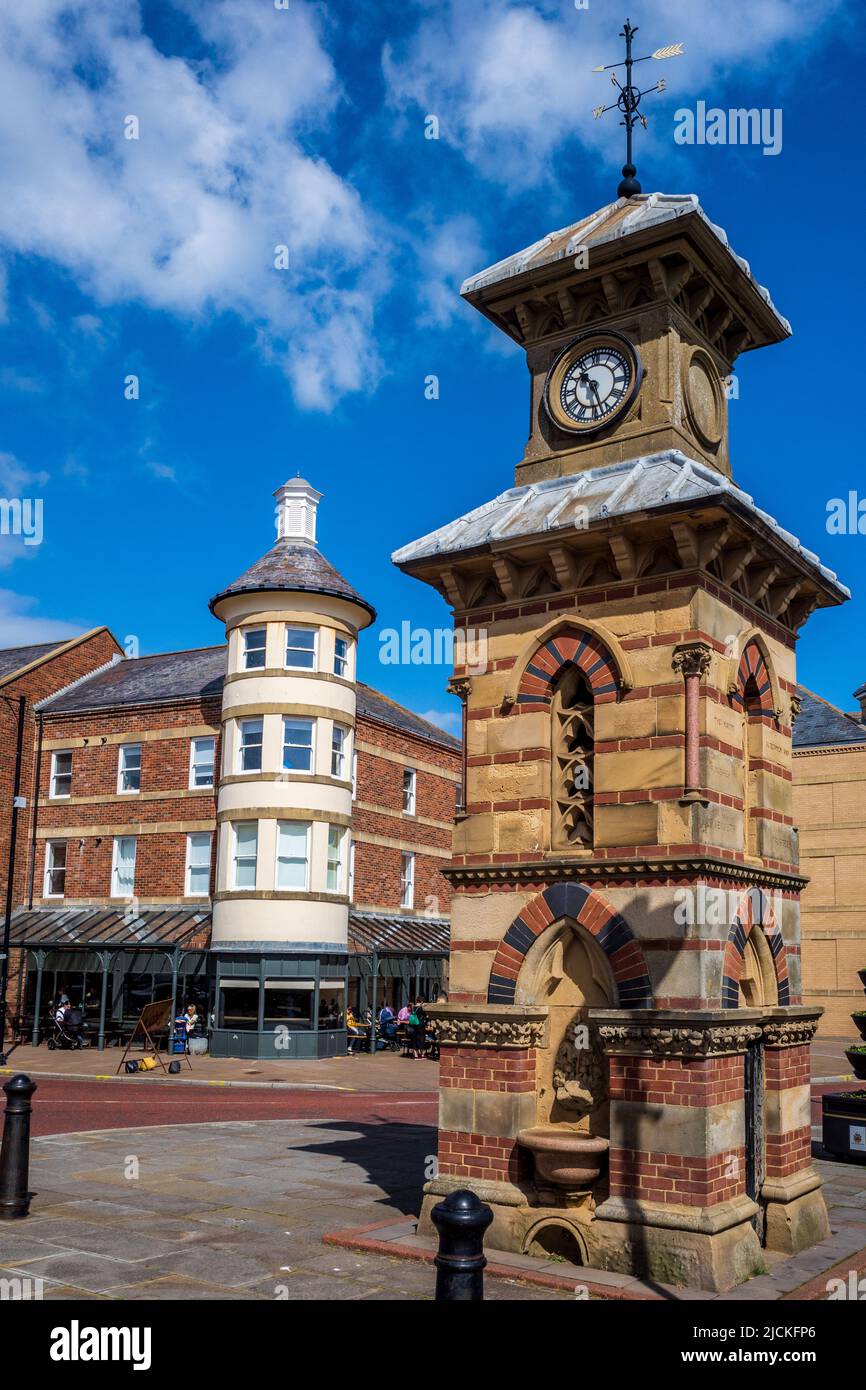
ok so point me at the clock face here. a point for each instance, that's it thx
(592, 382)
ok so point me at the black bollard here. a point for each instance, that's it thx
(461, 1221)
(15, 1153)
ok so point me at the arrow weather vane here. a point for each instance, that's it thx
(628, 102)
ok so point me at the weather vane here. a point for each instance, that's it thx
(628, 102)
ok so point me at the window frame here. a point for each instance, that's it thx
(345, 673)
(188, 866)
(300, 627)
(340, 755)
(242, 746)
(287, 887)
(247, 651)
(51, 868)
(192, 784)
(53, 793)
(407, 878)
(122, 749)
(244, 887)
(115, 857)
(299, 771)
(340, 831)
(410, 791)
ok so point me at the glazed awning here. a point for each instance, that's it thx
(49, 927)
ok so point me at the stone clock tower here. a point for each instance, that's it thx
(625, 1060)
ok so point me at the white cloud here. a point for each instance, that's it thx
(445, 251)
(13, 380)
(186, 218)
(449, 720)
(510, 82)
(19, 626)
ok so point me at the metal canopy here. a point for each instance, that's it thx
(107, 927)
(396, 935)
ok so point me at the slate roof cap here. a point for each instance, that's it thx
(618, 220)
(294, 565)
(653, 482)
(819, 723)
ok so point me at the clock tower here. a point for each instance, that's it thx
(625, 1058)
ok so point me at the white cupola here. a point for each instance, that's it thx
(297, 504)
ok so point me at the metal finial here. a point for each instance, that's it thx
(628, 102)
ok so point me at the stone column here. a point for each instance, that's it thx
(796, 1216)
(692, 659)
(461, 686)
(487, 1094)
(677, 1210)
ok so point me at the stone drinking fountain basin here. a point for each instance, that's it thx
(564, 1158)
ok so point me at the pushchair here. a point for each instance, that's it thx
(68, 1031)
(386, 1036)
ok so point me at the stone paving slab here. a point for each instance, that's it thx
(239, 1210)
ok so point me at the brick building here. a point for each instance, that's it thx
(132, 789)
(829, 800)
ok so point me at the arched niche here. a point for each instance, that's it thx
(566, 971)
(758, 986)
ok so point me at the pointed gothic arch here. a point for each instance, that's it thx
(755, 688)
(588, 908)
(755, 914)
(570, 640)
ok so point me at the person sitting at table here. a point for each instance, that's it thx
(403, 1015)
(354, 1031)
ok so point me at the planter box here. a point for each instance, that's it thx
(844, 1121)
(859, 1021)
(857, 1062)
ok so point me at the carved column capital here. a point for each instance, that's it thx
(461, 686)
(692, 658)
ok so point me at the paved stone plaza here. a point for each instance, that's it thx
(238, 1210)
(223, 1211)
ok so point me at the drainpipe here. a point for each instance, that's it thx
(37, 775)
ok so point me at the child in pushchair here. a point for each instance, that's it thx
(67, 1028)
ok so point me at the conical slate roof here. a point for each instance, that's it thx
(293, 565)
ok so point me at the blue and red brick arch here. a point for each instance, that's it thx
(755, 913)
(754, 688)
(587, 907)
(571, 647)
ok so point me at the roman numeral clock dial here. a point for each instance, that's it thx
(592, 382)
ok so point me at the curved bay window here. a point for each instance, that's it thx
(572, 713)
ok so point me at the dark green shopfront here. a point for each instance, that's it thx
(254, 1003)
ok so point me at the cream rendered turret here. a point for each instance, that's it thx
(281, 904)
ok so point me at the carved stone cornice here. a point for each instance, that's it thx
(488, 1025)
(793, 1029)
(599, 872)
(689, 1040)
(701, 1033)
(692, 658)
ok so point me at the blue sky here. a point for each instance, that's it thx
(305, 127)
